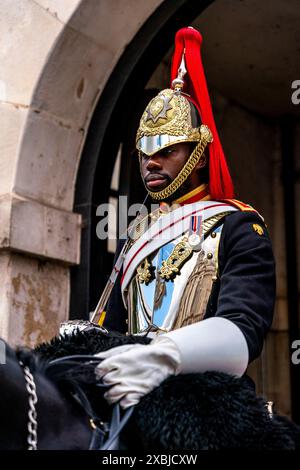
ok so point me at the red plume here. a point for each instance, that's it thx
(190, 40)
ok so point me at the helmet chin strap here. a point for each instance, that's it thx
(186, 170)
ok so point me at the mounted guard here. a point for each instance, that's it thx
(198, 272)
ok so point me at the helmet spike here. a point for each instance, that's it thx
(178, 82)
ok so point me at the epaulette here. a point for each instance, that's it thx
(242, 206)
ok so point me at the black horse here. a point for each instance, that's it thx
(212, 410)
(56, 413)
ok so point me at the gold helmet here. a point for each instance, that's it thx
(169, 119)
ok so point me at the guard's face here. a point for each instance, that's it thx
(159, 170)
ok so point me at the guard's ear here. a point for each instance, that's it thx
(202, 162)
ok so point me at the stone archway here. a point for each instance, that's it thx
(56, 59)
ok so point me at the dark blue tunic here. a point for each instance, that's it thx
(245, 290)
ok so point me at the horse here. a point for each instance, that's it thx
(56, 413)
(212, 410)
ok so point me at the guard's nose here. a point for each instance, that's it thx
(153, 163)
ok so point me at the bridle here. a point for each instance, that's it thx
(105, 436)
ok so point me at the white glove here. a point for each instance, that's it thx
(134, 370)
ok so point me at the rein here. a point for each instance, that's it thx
(32, 413)
(105, 436)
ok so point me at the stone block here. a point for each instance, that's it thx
(73, 78)
(48, 161)
(34, 299)
(62, 235)
(27, 35)
(38, 230)
(5, 214)
(12, 119)
(27, 222)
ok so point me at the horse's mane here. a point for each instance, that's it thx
(77, 343)
(85, 342)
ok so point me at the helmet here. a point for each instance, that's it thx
(167, 120)
(175, 116)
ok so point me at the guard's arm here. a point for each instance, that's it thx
(247, 278)
(234, 335)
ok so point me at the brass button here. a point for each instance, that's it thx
(126, 321)
(209, 255)
(213, 235)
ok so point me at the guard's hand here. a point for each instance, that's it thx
(134, 370)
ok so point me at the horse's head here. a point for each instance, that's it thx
(61, 423)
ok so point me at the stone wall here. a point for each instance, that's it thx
(56, 57)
